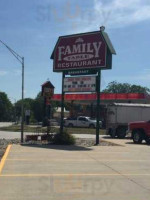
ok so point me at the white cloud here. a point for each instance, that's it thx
(3, 73)
(140, 77)
(111, 13)
(143, 77)
(122, 12)
(17, 72)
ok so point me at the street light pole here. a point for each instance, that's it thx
(22, 105)
(21, 60)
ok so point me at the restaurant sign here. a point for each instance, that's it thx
(80, 51)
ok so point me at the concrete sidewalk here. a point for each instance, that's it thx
(67, 172)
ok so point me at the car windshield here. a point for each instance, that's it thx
(90, 118)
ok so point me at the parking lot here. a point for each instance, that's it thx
(69, 172)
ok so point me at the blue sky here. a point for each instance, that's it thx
(32, 28)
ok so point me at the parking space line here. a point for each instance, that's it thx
(95, 152)
(66, 175)
(66, 160)
(2, 163)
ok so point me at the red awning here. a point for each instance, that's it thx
(103, 96)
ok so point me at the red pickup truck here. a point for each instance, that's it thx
(140, 131)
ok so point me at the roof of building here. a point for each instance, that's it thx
(48, 83)
(108, 42)
(131, 105)
(103, 96)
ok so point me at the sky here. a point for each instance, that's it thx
(32, 28)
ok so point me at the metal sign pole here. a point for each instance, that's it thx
(22, 106)
(98, 106)
(62, 105)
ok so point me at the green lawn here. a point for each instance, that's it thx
(17, 128)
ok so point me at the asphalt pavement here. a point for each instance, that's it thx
(69, 172)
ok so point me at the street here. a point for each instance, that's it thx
(5, 124)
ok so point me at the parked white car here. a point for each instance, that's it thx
(81, 121)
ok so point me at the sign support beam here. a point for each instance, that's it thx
(94, 55)
(98, 106)
(62, 105)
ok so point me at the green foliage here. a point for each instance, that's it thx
(32, 119)
(38, 106)
(115, 87)
(28, 105)
(6, 108)
(64, 138)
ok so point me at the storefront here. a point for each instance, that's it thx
(85, 104)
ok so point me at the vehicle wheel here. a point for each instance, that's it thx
(112, 133)
(147, 140)
(70, 125)
(121, 132)
(137, 137)
(91, 126)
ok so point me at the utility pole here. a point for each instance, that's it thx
(21, 60)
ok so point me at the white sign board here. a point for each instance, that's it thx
(80, 84)
(27, 113)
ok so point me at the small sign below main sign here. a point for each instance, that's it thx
(80, 84)
(80, 72)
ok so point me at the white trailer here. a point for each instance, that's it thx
(120, 114)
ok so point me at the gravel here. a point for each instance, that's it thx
(86, 142)
(4, 143)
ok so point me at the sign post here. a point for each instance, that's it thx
(98, 106)
(62, 105)
(82, 54)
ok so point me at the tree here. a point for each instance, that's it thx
(115, 87)
(28, 105)
(38, 107)
(6, 108)
(139, 89)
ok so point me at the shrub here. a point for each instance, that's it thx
(64, 138)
